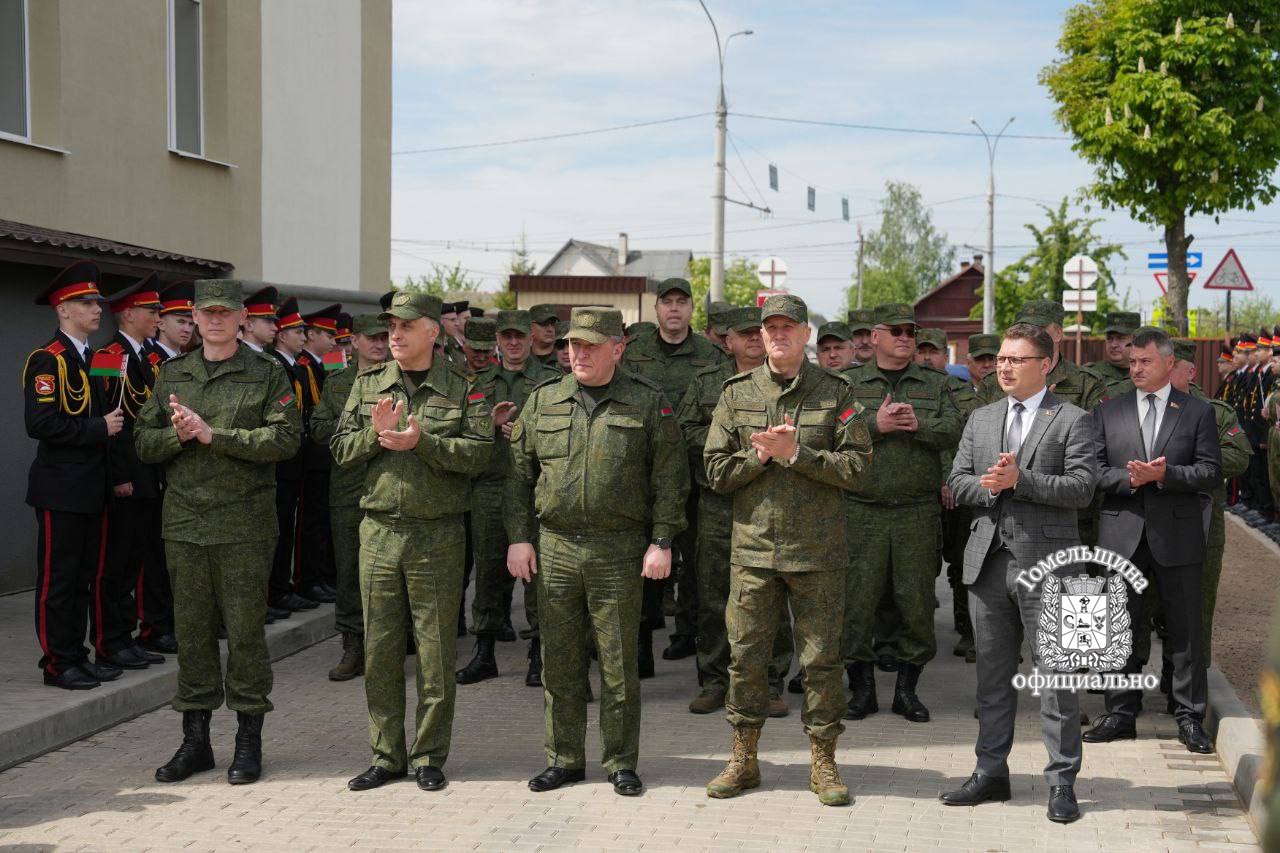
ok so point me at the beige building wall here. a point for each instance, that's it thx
(634, 306)
(375, 152)
(100, 164)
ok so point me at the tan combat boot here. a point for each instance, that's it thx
(743, 770)
(352, 663)
(824, 776)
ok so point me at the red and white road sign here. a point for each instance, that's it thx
(1162, 279)
(1229, 274)
(762, 295)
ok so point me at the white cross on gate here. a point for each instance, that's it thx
(773, 272)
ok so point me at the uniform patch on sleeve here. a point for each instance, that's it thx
(284, 401)
(475, 397)
(44, 384)
(517, 430)
(665, 411)
(1235, 430)
(856, 409)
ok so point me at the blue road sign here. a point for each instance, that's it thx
(1160, 260)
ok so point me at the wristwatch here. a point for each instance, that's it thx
(662, 542)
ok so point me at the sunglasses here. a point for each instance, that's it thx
(899, 331)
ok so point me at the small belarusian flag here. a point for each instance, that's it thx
(336, 360)
(107, 364)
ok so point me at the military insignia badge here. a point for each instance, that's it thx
(517, 430)
(44, 384)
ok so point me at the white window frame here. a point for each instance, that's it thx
(26, 76)
(172, 73)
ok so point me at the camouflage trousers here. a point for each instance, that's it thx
(685, 577)
(715, 516)
(348, 613)
(491, 605)
(410, 576)
(590, 584)
(758, 598)
(221, 584)
(896, 548)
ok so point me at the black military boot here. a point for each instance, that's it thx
(905, 700)
(533, 678)
(195, 754)
(862, 681)
(483, 665)
(645, 656)
(246, 764)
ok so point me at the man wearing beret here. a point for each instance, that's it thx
(422, 430)
(598, 463)
(346, 485)
(217, 418)
(715, 511)
(506, 387)
(70, 417)
(670, 355)
(914, 419)
(785, 440)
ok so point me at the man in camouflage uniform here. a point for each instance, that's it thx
(346, 486)
(506, 387)
(597, 460)
(1269, 698)
(913, 418)
(562, 347)
(860, 322)
(784, 441)
(670, 355)
(1066, 380)
(423, 431)
(1114, 368)
(479, 345)
(715, 514)
(982, 357)
(542, 334)
(835, 347)
(1271, 413)
(717, 313)
(216, 420)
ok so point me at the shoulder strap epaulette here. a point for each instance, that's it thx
(738, 377)
(644, 380)
(114, 348)
(54, 348)
(370, 370)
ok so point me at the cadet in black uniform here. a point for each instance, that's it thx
(318, 578)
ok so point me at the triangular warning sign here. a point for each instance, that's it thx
(1229, 274)
(1162, 279)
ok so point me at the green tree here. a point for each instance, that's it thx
(906, 256)
(520, 264)
(442, 281)
(1248, 314)
(1038, 273)
(740, 286)
(1176, 104)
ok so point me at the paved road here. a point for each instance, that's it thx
(98, 794)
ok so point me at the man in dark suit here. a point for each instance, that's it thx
(1158, 460)
(1026, 465)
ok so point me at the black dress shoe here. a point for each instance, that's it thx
(328, 588)
(278, 613)
(124, 659)
(1062, 804)
(374, 777)
(430, 778)
(554, 777)
(101, 670)
(1111, 727)
(165, 644)
(149, 657)
(626, 783)
(1192, 735)
(294, 602)
(318, 593)
(72, 678)
(978, 789)
(681, 647)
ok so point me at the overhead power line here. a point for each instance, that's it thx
(888, 129)
(550, 136)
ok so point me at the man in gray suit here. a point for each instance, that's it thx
(1025, 464)
(1158, 460)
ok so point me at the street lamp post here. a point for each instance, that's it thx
(989, 263)
(717, 193)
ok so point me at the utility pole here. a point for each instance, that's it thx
(989, 262)
(717, 193)
(859, 273)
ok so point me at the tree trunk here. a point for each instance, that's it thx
(1176, 243)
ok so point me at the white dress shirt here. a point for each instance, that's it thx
(82, 348)
(1162, 403)
(170, 353)
(1030, 406)
(292, 361)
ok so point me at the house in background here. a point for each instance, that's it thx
(583, 273)
(192, 139)
(949, 304)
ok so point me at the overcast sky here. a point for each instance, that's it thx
(494, 70)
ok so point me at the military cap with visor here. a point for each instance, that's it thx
(481, 333)
(785, 305)
(288, 317)
(178, 298)
(595, 325)
(219, 293)
(834, 329)
(742, 319)
(861, 320)
(79, 281)
(368, 325)
(1184, 350)
(262, 303)
(512, 321)
(1041, 312)
(1122, 322)
(326, 318)
(936, 338)
(670, 284)
(984, 344)
(895, 314)
(408, 305)
(543, 312)
(343, 335)
(142, 294)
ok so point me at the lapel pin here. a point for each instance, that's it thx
(1173, 405)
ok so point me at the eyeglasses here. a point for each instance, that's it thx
(899, 331)
(1016, 360)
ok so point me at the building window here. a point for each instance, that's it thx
(186, 105)
(15, 110)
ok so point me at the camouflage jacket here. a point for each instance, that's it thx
(907, 467)
(433, 480)
(673, 372)
(619, 469)
(695, 411)
(966, 400)
(1066, 380)
(789, 517)
(223, 491)
(346, 482)
(501, 386)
